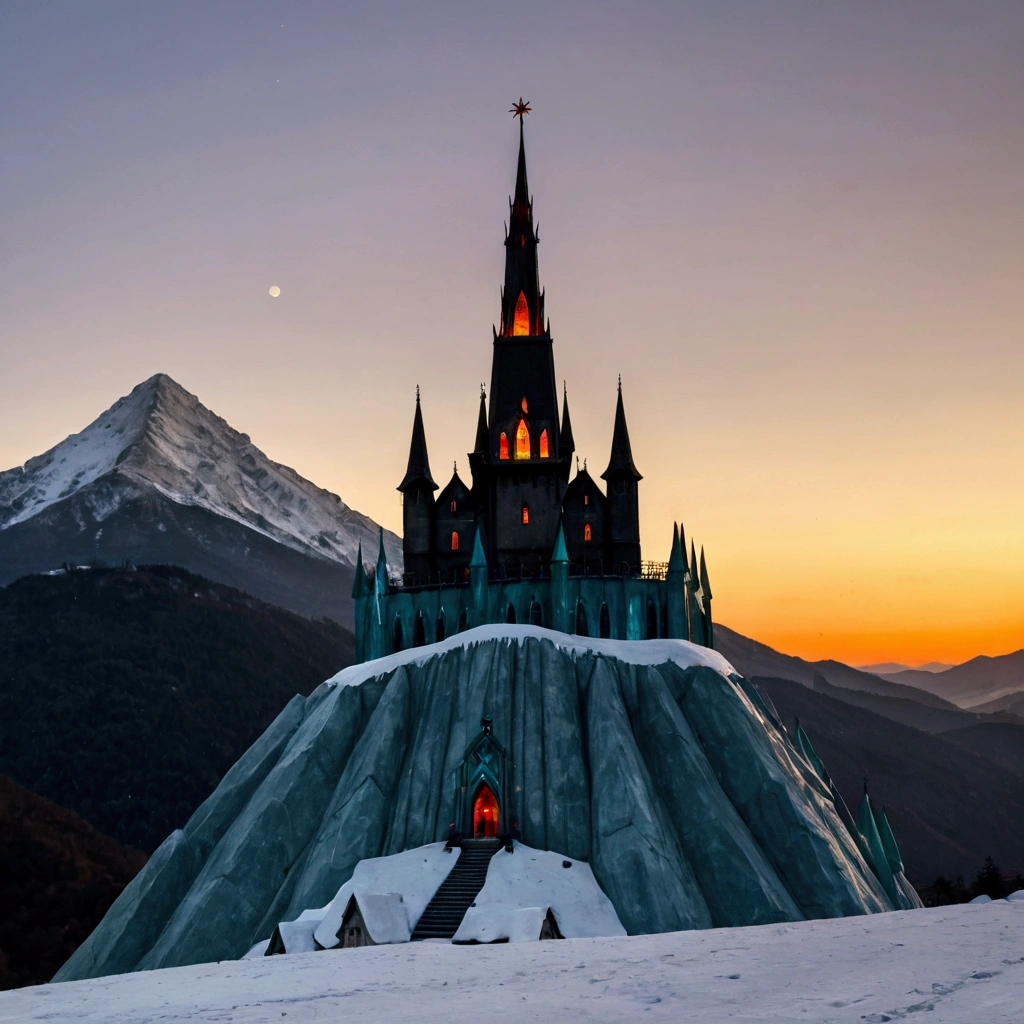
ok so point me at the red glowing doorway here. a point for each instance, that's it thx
(485, 813)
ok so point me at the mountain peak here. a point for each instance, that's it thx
(161, 437)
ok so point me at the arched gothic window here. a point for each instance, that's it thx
(544, 451)
(526, 515)
(503, 446)
(522, 441)
(521, 323)
(588, 534)
(455, 540)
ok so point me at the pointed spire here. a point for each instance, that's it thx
(522, 193)
(481, 444)
(418, 470)
(682, 544)
(676, 561)
(566, 443)
(359, 580)
(382, 558)
(622, 454)
(704, 584)
(694, 579)
(478, 559)
(560, 554)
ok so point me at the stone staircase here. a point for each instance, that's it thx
(446, 910)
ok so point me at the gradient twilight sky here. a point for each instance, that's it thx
(796, 229)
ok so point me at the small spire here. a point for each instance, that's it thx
(455, 468)
(682, 544)
(560, 554)
(704, 584)
(381, 556)
(418, 469)
(478, 559)
(566, 442)
(482, 442)
(694, 580)
(359, 581)
(621, 461)
(676, 559)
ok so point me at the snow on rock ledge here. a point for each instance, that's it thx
(650, 760)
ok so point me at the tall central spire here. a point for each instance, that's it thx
(522, 303)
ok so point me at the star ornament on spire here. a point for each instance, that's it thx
(520, 109)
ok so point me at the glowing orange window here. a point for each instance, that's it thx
(455, 541)
(453, 506)
(521, 323)
(526, 515)
(485, 813)
(503, 446)
(587, 535)
(544, 444)
(522, 441)
(586, 499)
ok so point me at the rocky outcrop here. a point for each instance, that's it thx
(650, 760)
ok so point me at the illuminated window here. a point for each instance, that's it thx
(522, 441)
(503, 446)
(526, 515)
(523, 405)
(544, 444)
(587, 535)
(453, 506)
(521, 323)
(586, 499)
(455, 540)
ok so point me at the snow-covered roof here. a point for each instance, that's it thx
(534, 880)
(384, 914)
(635, 652)
(297, 935)
(415, 875)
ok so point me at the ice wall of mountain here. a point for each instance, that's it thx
(162, 438)
(651, 761)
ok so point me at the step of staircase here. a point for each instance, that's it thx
(457, 892)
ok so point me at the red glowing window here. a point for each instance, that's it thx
(485, 813)
(526, 515)
(455, 540)
(522, 441)
(544, 444)
(453, 506)
(587, 533)
(521, 323)
(503, 446)
(586, 499)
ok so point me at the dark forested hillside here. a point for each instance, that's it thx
(126, 694)
(58, 876)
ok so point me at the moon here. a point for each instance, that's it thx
(274, 291)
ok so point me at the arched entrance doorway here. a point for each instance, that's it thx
(485, 813)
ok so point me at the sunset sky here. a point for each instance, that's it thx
(795, 228)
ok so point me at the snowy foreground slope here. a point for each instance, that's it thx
(951, 964)
(159, 475)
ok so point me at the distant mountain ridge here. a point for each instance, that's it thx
(159, 478)
(981, 680)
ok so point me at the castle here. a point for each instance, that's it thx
(523, 542)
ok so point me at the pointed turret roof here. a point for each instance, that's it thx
(676, 558)
(418, 471)
(621, 461)
(566, 443)
(704, 584)
(682, 544)
(560, 554)
(481, 443)
(359, 580)
(522, 194)
(478, 559)
(694, 579)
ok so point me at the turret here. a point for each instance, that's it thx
(417, 488)
(566, 442)
(560, 613)
(705, 586)
(677, 588)
(623, 496)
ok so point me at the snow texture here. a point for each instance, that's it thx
(535, 881)
(160, 437)
(297, 935)
(415, 874)
(947, 965)
(652, 761)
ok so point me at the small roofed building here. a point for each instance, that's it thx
(373, 919)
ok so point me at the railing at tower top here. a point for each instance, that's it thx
(510, 572)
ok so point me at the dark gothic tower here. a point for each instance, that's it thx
(417, 489)
(527, 468)
(623, 497)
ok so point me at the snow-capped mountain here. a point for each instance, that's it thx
(159, 477)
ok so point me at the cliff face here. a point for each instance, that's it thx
(651, 760)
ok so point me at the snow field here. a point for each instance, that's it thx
(956, 964)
